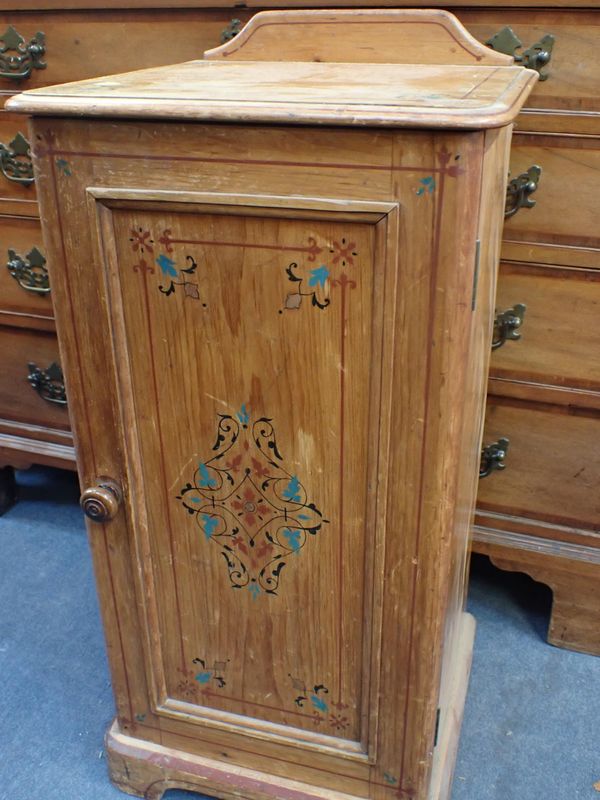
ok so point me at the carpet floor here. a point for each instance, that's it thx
(532, 720)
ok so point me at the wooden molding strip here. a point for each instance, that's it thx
(32, 450)
(537, 544)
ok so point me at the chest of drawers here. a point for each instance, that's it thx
(43, 44)
(540, 515)
(550, 263)
(276, 336)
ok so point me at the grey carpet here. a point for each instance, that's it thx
(531, 727)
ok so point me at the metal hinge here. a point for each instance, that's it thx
(437, 727)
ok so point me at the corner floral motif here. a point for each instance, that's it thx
(64, 167)
(187, 686)
(343, 252)
(448, 166)
(203, 679)
(246, 503)
(143, 244)
(166, 240)
(178, 276)
(315, 282)
(452, 170)
(427, 186)
(390, 781)
(210, 675)
(315, 698)
(141, 241)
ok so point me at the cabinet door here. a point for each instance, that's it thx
(246, 337)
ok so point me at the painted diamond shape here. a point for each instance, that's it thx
(249, 505)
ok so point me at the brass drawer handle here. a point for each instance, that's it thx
(29, 272)
(17, 57)
(535, 57)
(48, 383)
(507, 324)
(231, 31)
(101, 502)
(15, 161)
(492, 457)
(520, 189)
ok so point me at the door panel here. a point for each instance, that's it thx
(260, 500)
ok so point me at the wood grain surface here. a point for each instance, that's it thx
(559, 342)
(468, 97)
(560, 229)
(373, 36)
(552, 466)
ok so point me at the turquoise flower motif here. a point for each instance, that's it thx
(318, 276)
(64, 166)
(427, 185)
(167, 265)
(243, 415)
(294, 538)
(292, 490)
(205, 480)
(209, 525)
(319, 704)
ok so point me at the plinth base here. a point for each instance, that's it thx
(449, 733)
(148, 770)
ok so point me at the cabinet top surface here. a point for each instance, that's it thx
(393, 95)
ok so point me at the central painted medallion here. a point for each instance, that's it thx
(249, 505)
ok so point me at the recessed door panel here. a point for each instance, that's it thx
(251, 399)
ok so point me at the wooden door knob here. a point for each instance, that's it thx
(101, 503)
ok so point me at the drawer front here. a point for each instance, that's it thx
(573, 82)
(552, 469)
(563, 224)
(19, 401)
(23, 279)
(17, 190)
(84, 45)
(559, 341)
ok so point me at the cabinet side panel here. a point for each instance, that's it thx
(456, 644)
(436, 367)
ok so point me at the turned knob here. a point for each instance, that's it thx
(101, 503)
